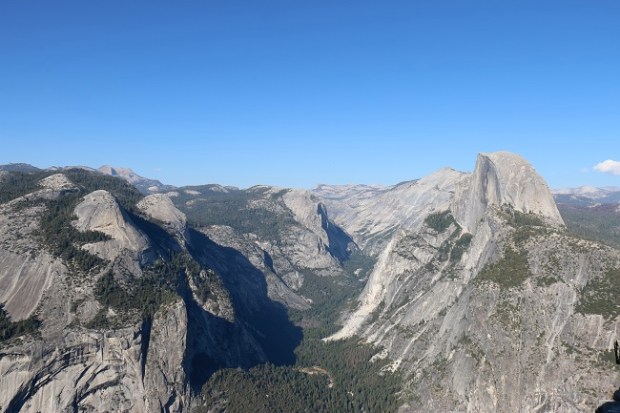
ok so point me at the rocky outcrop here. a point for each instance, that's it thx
(136, 369)
(478, 296)
(465, 340)
(26, 271)
(372, 215)
(95, 351)
(258, 259)
(99, 211)
(290, 236)
(54, 186)
(23, 280)
(166, 384)
(503, 178)
(160, 208)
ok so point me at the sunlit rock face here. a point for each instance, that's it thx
(484, 313)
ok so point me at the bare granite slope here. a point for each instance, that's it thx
(482, 304)
(98, 347)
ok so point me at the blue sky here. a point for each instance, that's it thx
(296, 93)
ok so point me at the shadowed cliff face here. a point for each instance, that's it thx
(151, 311)
(246, 284)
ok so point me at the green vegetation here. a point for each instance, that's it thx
(11, 329)
(264, 388)
(526, 225)
(126, 195)
(159, 285)
(247, 211)
(330, 295)
(63, 240)
(600, 296)
(455, 246)
(545, 281)
(328, 377)
(601, 224)
(519, 219)
(510, 271)
(16, 184)
(56, 231)
(439, 221)
(460, 246)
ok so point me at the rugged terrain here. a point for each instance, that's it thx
(482, 297)
(115, 303)
(464, 292)
(591, 213)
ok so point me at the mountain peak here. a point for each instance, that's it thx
(145, 185)
(505, 178)
(119, 171)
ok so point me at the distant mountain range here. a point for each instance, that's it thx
(587, 195)
(144, 185)
(581, 195)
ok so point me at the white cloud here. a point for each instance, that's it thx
(608, 167)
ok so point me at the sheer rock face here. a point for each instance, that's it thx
(373, 214)
(503, 178)
(101, 371)
(302, 240)
(306, 244)
(470, 345)
(133, 364)
(277, 289)
(99, 211)
(26, 271)
(24, 279)
(164, 378)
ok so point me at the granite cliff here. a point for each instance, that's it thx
(473, 290)
(134, 307)
(480, 295)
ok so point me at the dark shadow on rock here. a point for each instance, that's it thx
(612, 406)
(340, 243)
(214, 343)
(609, 407)
(262, 331)
(162, 239)
(268, 261)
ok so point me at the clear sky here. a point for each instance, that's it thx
(296, 93)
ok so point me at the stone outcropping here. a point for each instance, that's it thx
(503, 178)
(160, 208)
(99, 211)
(471, 334)
(133, 362)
